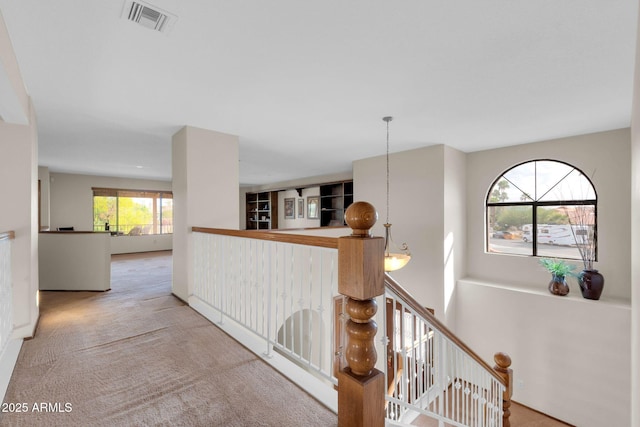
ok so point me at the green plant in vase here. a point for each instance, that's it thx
(559, 270)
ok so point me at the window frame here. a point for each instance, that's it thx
(156, 195)
(535, 204)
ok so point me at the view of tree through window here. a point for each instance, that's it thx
(131, 212)
(553, 198)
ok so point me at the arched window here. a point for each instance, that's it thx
(553, 198)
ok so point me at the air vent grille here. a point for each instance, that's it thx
(148, 16)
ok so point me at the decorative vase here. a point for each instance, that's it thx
(591, 284)
(558, 285)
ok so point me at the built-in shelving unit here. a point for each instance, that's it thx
(335, 198)
(262, 210)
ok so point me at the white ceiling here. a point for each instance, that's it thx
(305, 84)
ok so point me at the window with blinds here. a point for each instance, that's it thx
(132, 212)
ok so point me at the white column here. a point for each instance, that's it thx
(205, 193)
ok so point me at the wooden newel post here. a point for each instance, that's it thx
(503, 361)
(361, 278)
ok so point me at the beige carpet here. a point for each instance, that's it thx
(136, 355)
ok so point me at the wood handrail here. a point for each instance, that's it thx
(332, 242)
(298, 239)
(410, 301)
(7, 235)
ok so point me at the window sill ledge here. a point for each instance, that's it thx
(573, 297)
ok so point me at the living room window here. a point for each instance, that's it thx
(541, 208)
(132, 212)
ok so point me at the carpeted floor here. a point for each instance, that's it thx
(137, 356)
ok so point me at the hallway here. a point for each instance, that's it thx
(136, 355)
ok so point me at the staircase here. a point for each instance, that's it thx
(435, 375)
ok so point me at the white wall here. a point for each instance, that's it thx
(437, 207)
(504, 305)
(15, 105)
(427, 205)
(570, 355)
(71, 202)
(19, 186)
(455, 229)
(608, 155)
(205, 193)
(635, 243)
(416, 188)
(18, 191)
(635, 279)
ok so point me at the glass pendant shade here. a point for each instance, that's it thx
(394, 258)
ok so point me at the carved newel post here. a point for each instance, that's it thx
(503, 361)
(361, 279)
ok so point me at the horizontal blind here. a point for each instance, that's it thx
(114, 192)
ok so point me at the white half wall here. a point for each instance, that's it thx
(71, 261)
(570, 355)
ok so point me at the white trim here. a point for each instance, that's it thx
(8, 360)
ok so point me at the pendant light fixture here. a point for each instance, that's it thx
(394, 258)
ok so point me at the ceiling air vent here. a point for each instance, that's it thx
(148, 16)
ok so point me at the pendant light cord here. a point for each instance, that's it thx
(387, 119)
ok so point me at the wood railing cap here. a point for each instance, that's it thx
(298, 239)
(7, 235)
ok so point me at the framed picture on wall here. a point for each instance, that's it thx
(313, 204)
(300, 208)
(289, 208)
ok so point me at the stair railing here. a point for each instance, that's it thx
(313, 300)
(431, 373)
(426, 370)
